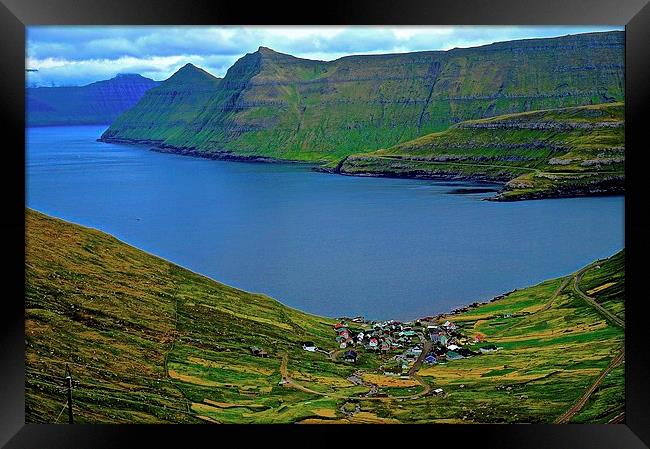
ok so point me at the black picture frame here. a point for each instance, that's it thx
(15, 15)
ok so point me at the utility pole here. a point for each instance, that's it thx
(68, 385)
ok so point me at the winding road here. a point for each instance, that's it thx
(287, 381)
(575, 408)
(606, 313)
(616, 361)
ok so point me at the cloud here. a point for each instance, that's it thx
(73, 55)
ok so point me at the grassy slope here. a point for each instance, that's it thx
(549, 356)
(542, 153)
(116, 314)
(152, 342)
(174, 102)
(275, 105)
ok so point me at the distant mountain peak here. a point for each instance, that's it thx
(190, 73)
(189, 66)
(128, 75)
(266, 52)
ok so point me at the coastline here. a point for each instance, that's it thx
(442, 315)
(501, 195)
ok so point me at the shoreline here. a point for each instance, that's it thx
(455, 311)
(316, 166)
(215, 156)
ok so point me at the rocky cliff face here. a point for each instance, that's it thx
(549, 153)
(96, 103)
(276, 105)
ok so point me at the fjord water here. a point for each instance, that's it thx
(327, 244)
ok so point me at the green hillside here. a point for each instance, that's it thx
(548, 153)
(278, 106)
(98, 103)
(167, 110)
(149, 341)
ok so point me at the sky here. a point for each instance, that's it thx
(79, 55)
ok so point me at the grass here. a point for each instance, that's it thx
(275, 105)
(547, 153)
(149, 341)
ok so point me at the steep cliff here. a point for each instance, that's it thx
(97, 103)
(275, 105)
(548, 153)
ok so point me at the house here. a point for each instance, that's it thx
(451, 355)
(344, 333)
(413, 352)
(453, 347)
(439, 339)
(373, 343)
(449, 325)
(309, 346)
(466, 352)
(488, 348)
(338, 326)
(358, 319)
(438, 391)
(430, 359)
(350, 356)
(258, 352)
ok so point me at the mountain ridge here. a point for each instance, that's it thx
(272, 105)
(97, 103)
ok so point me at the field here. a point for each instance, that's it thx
(149, 341)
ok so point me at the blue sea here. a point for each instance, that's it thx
(326, 244)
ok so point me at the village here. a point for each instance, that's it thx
(406, 345)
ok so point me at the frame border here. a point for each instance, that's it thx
(16, 15)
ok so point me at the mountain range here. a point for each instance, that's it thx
(273, 105)
(97, 103)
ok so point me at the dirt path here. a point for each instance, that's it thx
(333, 355)
(575, 408)
(606, 313)
(426, 347)
(287, 381)
(547, 306)
(617, 419)
(188, 405)
(620, 357)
